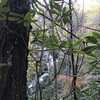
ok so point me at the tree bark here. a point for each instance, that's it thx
(13, 58)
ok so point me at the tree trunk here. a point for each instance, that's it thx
(13, 58)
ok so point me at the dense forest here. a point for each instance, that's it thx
(49, 50)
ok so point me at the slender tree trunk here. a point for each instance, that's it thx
(13, 57)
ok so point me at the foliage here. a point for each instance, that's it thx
(51, 31)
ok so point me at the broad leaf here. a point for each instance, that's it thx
(91, 39)
(96, 35)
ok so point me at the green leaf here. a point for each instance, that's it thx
(29, 18)
(96, 35)
(77, 42)
(89, 49)
(65, 15)
(52, 42)
(94, 62)
(57, 6)
(65, 44)
(91, 39)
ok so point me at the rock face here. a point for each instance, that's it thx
(32, 85)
